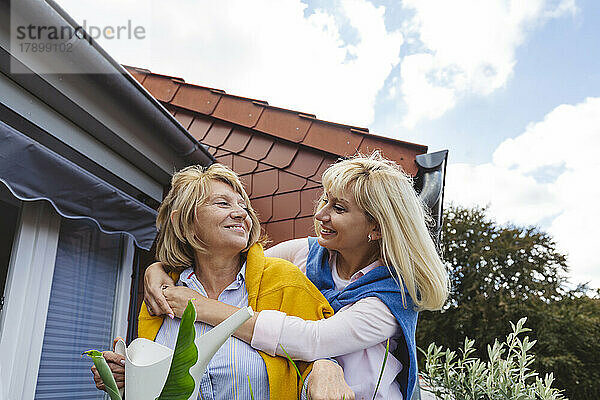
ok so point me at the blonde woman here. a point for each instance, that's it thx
(376, 264)
(209, 235)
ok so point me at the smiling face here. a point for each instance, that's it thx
(222, 221)
(343, 226)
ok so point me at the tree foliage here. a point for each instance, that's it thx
(503, 273)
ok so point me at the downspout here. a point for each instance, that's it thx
(430, 183)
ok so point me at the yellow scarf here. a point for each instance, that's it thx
(272, 284)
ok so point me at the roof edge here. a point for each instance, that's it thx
(122, 83)
(355, 129)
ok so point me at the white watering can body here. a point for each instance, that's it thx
(147, 363)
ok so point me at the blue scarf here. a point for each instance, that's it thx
(376, 283)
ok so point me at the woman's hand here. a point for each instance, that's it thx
(116, 363)
(326, 382)
(155, 279)
(178, 296)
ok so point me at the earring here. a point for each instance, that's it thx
(369, 236)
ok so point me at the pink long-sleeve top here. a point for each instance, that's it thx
(355, 336)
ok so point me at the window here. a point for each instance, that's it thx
(67, 291)
(80, 310)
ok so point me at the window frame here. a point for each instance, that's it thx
(27, 296)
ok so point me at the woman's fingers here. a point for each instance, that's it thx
(120, 381)
(326, 382)
(97, 379)
(112, 357)
(178, 297)
(156, 303)
(116, 363)
(155, 279)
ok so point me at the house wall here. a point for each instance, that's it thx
(47, 320)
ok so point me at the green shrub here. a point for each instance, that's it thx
(506, 376)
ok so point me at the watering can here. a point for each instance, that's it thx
(147, 363)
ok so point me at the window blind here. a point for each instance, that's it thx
(80, 311)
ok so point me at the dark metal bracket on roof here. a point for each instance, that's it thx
(430, 183)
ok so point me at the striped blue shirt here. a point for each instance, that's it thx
(227, 374)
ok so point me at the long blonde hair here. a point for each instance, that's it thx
(177, 240)
(385, 194)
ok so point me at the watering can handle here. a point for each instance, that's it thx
(119, 347)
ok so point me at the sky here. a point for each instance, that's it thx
(510, 87)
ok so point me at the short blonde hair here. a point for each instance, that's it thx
(385, 193)
(177, 242)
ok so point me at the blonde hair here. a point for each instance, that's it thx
(385, 193)
(177, 241)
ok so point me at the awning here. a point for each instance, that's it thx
(33, 172)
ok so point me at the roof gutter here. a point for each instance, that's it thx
(109, 74)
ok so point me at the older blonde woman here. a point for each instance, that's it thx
(209, 236)
(376, 264)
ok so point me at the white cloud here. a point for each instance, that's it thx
(468, 48)
(265, 49)
(547, 175)
(270, 50)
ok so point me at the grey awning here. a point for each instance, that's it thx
(33, 172)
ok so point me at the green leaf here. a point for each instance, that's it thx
(180, 383)
(250, 387)
(387, 351)
(105, 373)
(296, 368)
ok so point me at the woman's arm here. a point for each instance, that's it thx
(364, 324)
(361, 325)
(210, 311)
(155, 277)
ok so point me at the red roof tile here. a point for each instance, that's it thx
(161, 87)
(220, 152)
(286, 206)
(258, 147)
(281, 154)
(226, 159)
(304, 227)
(327, 162)
(243, 165)
(239, 110)
(238, 140)
(184, 118)
(333, 139)
(197, 98)
(280, 231)
(217, 134)
(199, 127)
(308, 201)
(306, 162)
(264, 183)
(138, 73)
(293, 126)
(288, 124)
(264, 208)
(290, 182)
(262, 167)
(310, 184)
(247, 182)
